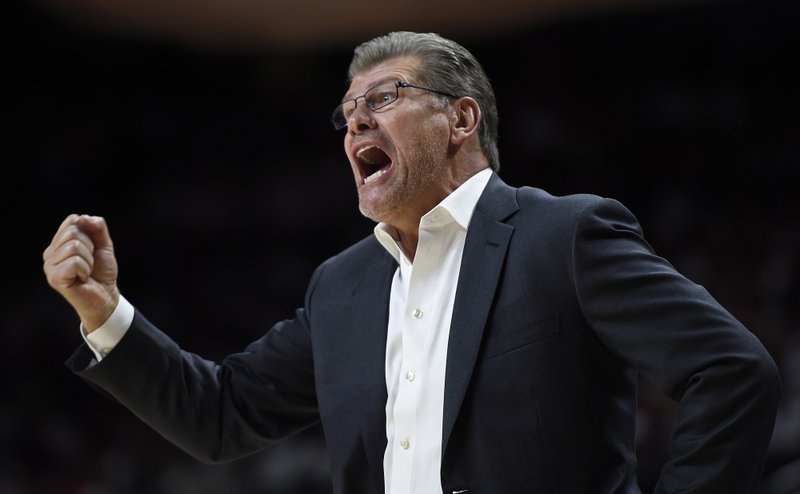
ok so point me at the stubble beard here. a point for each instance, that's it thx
(423, 170)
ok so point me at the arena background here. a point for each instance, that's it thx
(202, 134)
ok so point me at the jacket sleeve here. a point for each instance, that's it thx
(682, 340)
(215, 412)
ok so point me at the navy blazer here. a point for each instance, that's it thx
(560, 302)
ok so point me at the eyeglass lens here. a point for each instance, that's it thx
(375, 98)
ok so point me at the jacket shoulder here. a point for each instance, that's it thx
(368, 248)
(533, 196)
(353, 261)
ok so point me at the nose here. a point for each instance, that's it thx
(361, 119)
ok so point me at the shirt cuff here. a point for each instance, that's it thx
(103, 339)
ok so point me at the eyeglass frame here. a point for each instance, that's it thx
(339, 110)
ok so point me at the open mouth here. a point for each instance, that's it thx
(372, 163)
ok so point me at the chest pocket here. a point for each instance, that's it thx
(501, 340)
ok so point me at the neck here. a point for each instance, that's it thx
(408, 243)
(407, 224)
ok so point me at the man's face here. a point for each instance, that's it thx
(398, 153)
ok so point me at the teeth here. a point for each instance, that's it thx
(374, 176)
(360, 155)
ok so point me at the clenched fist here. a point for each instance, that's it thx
(80, 265)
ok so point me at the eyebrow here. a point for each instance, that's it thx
(348, 97)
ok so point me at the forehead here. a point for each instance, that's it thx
(404, 68)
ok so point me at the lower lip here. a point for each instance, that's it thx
(385, 171)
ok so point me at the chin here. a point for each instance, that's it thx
(375, 212)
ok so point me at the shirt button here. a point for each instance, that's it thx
(418, 313)
(405, 444)
(410, 376)
(105, 351)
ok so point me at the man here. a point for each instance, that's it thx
(486, 339)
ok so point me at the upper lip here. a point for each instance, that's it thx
(356, 147)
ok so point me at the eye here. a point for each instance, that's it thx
(380, 96)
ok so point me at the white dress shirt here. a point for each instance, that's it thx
(420, 309)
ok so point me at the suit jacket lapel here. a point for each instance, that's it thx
(373, 318)
(484, 254)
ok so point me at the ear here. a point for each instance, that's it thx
(465, 118)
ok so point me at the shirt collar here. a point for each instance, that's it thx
(456, 207)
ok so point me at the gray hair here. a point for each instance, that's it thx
(446, 66)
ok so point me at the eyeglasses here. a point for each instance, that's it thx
(375, 98)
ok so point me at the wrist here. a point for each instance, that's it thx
(96, 317)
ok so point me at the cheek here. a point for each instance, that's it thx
(431, 138)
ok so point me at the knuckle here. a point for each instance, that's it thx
(53, 278)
